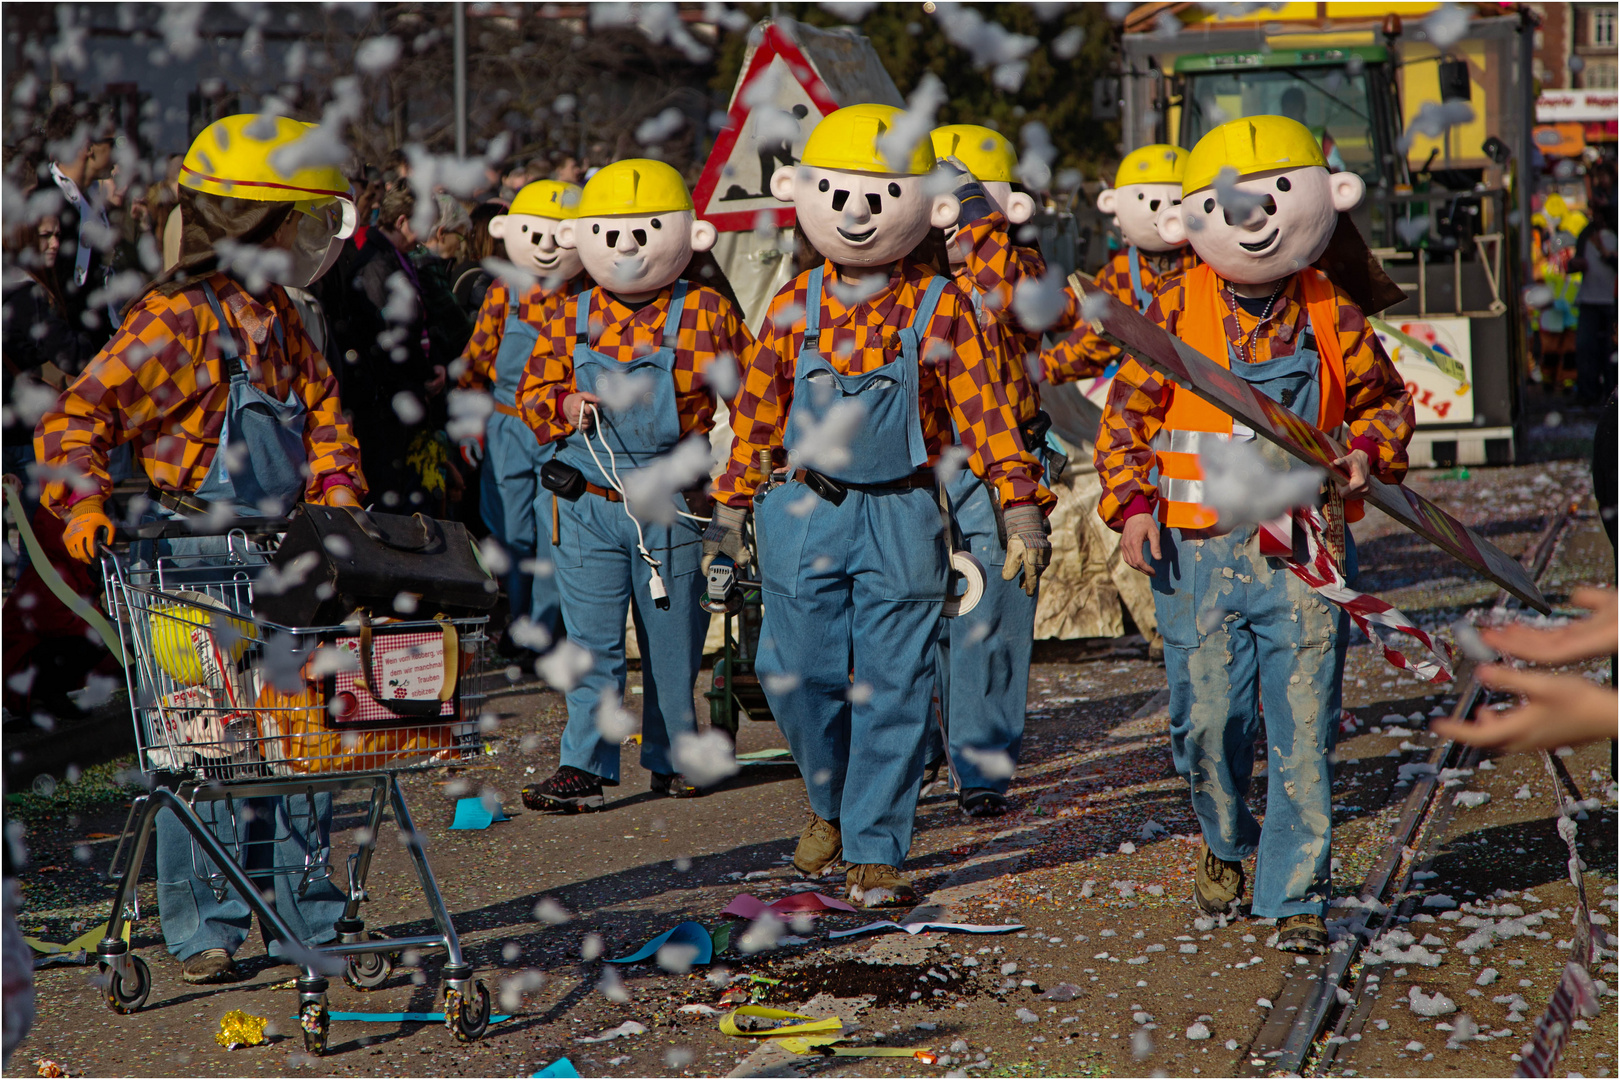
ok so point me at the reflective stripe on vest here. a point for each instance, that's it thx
(1188, 418)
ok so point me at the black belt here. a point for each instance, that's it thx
(835, 490)
(181, 502)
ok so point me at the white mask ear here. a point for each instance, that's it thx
(703, 235)
(1171, 225)
(565, 233)
(1348, 190)
(782, 183)
(1107, 200)
(497, 226)
(945, 211)
(1020, 208)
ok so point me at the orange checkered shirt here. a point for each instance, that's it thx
(993, 268)
(536, 307)
(1377, 408)
(710, 327)
(161, 383)
(1084, 355)
(960, 373)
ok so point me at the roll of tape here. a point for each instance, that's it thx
(971, 572)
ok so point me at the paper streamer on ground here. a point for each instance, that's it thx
(692, 934)
(53, 580)
(81, 950)
(920, 927)
(747, 906)
(795, 1038)
(471, 813)
(562, 1069)
(402, 1017)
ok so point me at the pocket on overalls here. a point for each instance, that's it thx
(907, 523)
(568, 552)
(781, 536)
(1175, 592)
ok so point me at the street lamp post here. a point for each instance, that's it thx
(459, 10)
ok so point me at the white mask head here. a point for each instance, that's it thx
(529, 231)
(636, 230)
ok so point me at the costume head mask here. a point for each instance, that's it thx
(1148, 181)
(529, 231)
(991, 159)
(636, 231)
(1258, 202)
(861, 199)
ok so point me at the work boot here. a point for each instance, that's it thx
(1302, 934)
(209, 966)
(1218, 885)
(873, 885)
(569, 791)
(675, 786)
(820, 846)
(983, 802)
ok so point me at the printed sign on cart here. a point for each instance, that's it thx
(1435, 394)
(408, 667)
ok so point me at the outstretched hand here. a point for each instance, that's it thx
(1556, 710)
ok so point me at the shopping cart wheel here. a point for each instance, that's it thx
(367, 971)
(467, 1019)
(314, 1019)
(128, 997)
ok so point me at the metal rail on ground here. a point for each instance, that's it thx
(1314, 1000)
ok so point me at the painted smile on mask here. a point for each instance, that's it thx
(857, 237)
(1259, 247)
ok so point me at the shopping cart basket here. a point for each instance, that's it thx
(228, 707)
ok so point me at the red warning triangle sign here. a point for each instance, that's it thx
(780, 97)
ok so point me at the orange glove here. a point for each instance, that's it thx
(87, 524)
(341, 495)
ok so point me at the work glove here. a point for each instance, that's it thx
(472, 450)
(341, 495)
(87, 524)
(724, 536)
(1028, 548)
(970, 193)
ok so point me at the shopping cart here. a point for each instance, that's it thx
(228, 707)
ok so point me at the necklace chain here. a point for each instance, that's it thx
(1246, 346)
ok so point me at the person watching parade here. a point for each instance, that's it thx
(1147, 182)
(232, 411)
(618, 379)
(866, 363)
(508, 326)
(1259, 207)
(984, 655)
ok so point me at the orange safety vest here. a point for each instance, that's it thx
(1188, 416)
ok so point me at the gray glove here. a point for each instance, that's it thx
(1028, 549)
(724, 536)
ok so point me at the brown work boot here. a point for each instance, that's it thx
(1302, 934)
(873, 885)
(209, 966)
(1218, 885)
(820, 846)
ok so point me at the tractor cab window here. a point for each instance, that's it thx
(1331, 101)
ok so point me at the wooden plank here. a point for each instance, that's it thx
(1172, 358)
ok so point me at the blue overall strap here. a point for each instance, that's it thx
(920, 321)
(812, 308)
(978, 300)
(672, 317)
(582, 318)
(227, 338)
(1144, 299)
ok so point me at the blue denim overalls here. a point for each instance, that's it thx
(264, 439)
(1240, 629)
(510, 495)
(600, 572)
(984, 655)
(864, 581)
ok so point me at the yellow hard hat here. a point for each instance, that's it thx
(849, 139)
(233, 157)
(1555, 206)
(633, 186)
(1538, 219)
(986, 153)
(548, 199)
(1252, 145)
(1574, 223)
(183, 633)
(1158, 163)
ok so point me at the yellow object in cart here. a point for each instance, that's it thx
(190, 644)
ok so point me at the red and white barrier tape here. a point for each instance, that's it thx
(1431, 663)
